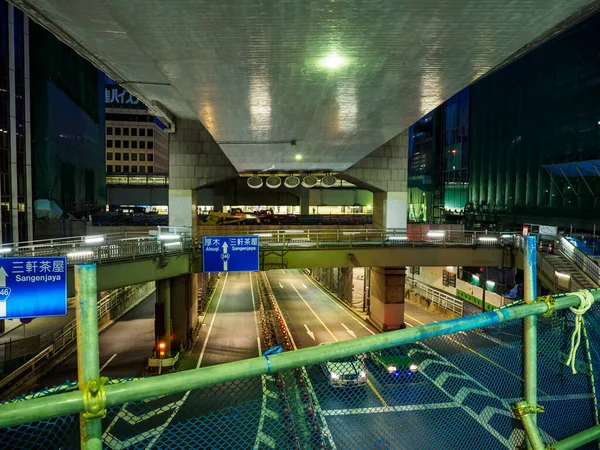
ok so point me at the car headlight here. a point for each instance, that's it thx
(334, 376)
(391, 369)
(413, 368)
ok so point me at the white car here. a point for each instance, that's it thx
(345, 372)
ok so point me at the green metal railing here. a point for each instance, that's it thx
(229, 387)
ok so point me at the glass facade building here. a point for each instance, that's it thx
(493, 141)
(51, 126)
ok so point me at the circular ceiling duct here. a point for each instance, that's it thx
(292, 181)
(273, 182)
(254, 182)
(328, 181)
(309, 181)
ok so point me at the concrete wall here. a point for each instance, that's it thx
(195, 159)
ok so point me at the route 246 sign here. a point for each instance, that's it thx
(230, 253)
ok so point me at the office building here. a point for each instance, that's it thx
(135, 140)
(51, 128)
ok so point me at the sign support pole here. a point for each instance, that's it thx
(88, 365)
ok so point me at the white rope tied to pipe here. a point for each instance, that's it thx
(587, 300)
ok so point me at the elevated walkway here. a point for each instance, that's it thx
(124, 259)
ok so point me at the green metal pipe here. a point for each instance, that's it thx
(578, 440)
(529, 424)
(62, 404)
(530, 340)
(40, 408)
(88, 365)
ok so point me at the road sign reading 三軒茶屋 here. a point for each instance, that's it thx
(33, 287)
(230, 253)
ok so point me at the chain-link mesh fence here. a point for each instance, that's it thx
(453, 391)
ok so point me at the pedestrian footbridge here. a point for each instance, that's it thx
(124, 259)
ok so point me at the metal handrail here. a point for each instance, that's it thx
(165, 242)
(437, 297)
(47, 353)
(68, 333)
(581, 260)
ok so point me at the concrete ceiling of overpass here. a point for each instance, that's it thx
(253, 71)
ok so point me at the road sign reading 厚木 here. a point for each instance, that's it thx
(33, 287)
(230, 253)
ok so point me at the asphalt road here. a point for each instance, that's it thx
(459, 399)
(452, 392)
(124, 347)
(230, 332)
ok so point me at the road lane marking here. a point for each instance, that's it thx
(303, 285)
(280, 285)
(282, 271)
(339, 306)
(478, 354)
(373, 388)
(388, 409)
(311, 390)
(132, 418)
(313, 311)
(160, 429)
(261, 436)
(310, 333)
(350, 332)
(107, 362)
(255, 313)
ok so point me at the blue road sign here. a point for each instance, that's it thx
(33, 287)
(230, 253)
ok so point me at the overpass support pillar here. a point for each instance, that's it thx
(163, 299)
(184, 308)
(195, 160)
(385, 172)
(387, 298)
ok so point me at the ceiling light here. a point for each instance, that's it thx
(273, 182)
(298, 157)
(291, 181)
(5, 250)
(328, 181)
(309, 181)
(254, 182)
(332, 61)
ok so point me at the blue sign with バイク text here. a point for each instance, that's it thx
(230, 253)
(33, 287)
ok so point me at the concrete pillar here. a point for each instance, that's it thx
(184, 308)
(345, 284)
(195, 160)
(183, 208)
(163, 313)
(390, 210)
(387, 297)
(218, 203)
(385, 172)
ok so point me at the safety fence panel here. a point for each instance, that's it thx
(452, 391)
